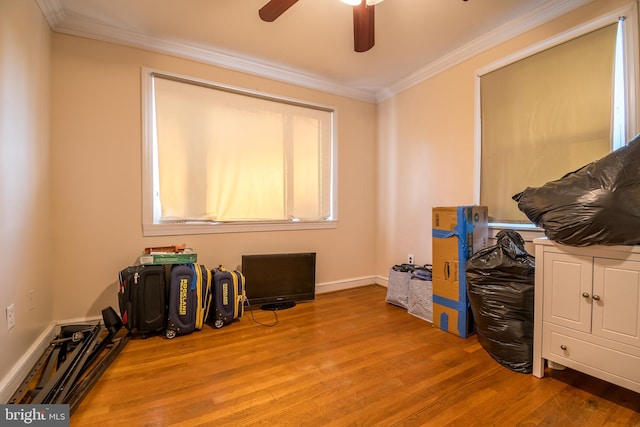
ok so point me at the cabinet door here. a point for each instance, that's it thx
(616, 300)
(567, 290)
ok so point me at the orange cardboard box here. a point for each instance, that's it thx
(458, 233)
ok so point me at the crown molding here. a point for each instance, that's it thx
(52, 11)
(61, 23)
(501, 34)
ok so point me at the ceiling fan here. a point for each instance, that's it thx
(363, 19)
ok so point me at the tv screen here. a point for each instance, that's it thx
(278, 281)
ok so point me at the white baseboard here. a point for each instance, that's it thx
(382, 281)
(322, 288)
(21, 369)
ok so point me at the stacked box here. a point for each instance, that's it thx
(169, 258)
(458, 233)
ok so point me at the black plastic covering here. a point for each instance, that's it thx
(500, 285)
(597, 204)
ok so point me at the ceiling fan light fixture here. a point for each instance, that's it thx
(373, 2)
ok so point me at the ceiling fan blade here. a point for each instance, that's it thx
(274, 8)
(363, 27)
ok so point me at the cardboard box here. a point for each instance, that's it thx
(458, 233)
(169, 258)
(455, 320)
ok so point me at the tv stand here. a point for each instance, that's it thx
(274, 306)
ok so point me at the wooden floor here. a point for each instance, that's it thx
(346, 359)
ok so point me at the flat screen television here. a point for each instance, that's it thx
(279, 281)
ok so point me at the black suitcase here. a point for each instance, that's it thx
(189, 299)
(228, 296)
(142, 298)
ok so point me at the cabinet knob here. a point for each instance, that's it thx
(596, 297)
(563, 347)
(585, 294)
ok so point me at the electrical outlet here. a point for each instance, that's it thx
(410, 259)
(11, 316)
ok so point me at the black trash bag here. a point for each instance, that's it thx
(597, 204)
(500, 286)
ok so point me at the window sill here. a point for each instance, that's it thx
(527, 231)
(246, 227)
(514, 226)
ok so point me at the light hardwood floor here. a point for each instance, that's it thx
(346, 359)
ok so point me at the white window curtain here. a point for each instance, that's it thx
(619, 122)
(545, 116)
(224, 156)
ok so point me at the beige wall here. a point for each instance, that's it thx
(25, 250)
(96, 177)
(426, 145)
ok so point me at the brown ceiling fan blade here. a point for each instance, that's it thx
(273, 9)
(363, 27)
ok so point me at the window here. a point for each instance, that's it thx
(550, 113)
(220, 159)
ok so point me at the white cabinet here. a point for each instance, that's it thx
(587, 310)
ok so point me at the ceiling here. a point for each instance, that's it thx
(311, 44)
